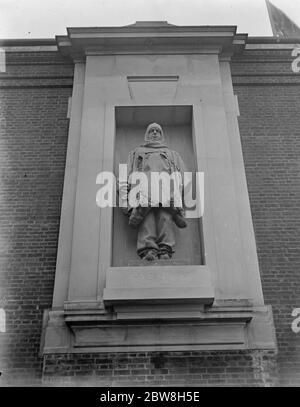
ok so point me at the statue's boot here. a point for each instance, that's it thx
(164, 257)
(165, 252)
(150, 255)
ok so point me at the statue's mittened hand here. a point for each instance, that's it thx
(179, 221)
(135, 218)
(126, 211)
(137, 215)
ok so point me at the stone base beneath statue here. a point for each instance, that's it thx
(158, 284)
(89, 327)
(164, 306)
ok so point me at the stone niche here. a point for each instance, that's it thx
(183, 281)
(177, 123)
(209, 295)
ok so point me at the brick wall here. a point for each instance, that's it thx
(270, 132)
(33, 124)
(33, 137)
(234, 368)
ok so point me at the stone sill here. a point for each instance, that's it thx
(158, 328)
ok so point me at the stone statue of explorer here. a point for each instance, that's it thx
(155, 211)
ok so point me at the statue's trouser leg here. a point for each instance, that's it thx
(146, 238)
(165, 230)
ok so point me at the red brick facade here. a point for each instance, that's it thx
(235, 368)
(269, 101)
(34, 129)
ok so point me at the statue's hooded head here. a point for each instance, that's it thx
(154, 135)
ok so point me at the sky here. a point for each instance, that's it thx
(47, 18)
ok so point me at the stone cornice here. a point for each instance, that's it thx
(151, 38)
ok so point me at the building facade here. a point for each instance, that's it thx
(71, 315)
